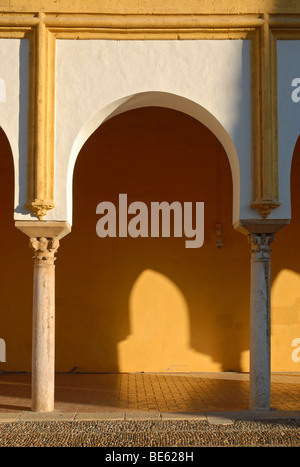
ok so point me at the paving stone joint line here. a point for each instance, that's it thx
(212, 418)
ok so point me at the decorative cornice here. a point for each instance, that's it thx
(40, 207)
(264, 207)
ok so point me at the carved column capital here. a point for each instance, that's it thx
(261, 245)
(45, 249)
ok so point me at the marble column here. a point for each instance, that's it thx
(44, 239)
(43, 329)
(260, 372)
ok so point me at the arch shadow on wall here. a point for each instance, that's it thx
(285, 291)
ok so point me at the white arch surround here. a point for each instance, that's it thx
(158, 99)
(206, 79)
(14, 59)
(288, 56)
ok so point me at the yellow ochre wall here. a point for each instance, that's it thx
(285, 291)
(149, 304)
(16, 273)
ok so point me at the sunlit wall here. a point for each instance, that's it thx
(285, 294)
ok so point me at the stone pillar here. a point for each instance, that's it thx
(260, 371)
(43, 328)
(44, 239)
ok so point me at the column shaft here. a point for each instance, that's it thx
(43, 348)
(260, 380)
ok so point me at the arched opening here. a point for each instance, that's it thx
(285, 296)
(163, 100)
(16, 282)
(150, 304)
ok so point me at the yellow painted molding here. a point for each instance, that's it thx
(154, 6)
(17, 20)
(162, 24)
(40, 207)
(286, 33)
(40, 167)
(158, 34)
(264, 207)
(264, 122)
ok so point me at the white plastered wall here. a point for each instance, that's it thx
(207, 79)
(288, 61)
(14, 56)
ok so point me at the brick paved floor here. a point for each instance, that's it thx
(190, 392)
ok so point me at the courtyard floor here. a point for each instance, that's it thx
(149, 392)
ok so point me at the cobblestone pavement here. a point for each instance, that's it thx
(151, 433)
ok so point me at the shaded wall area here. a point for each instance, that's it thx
(150, 304)
(16, 273)
(285, 291)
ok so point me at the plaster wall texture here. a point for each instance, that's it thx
(95, 78)
(14, 55)
(288, 58)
